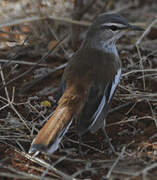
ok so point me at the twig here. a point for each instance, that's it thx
(11, 102)
(138, 48)
(20, 174)
(85, 145)
(46, 165)
(20, 62)
(114, 164)
(80, 10)
(139, 70)
(57, 38)
(41, 60)
(141, 63)
(122, 8)
(37, 18)
(120, 107)
(146, 32)
(30, 85)
(145, 170)
(131, 120)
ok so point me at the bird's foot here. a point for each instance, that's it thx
(112, 149)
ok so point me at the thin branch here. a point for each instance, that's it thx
(41, 60)
(9, 101)
(139, 70)
(146, 32)
(37, 18)
(20, 62)
(46, 165)
(115, 164)
(30, 85)
(138, 48)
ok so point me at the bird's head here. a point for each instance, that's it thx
(110, 27)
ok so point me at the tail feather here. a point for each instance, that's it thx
(52, 132)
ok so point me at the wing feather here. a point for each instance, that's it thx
(101, 113)
(97, 104)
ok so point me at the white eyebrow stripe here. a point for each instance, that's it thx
(114, 24)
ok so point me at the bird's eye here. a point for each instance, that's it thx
(114, 28)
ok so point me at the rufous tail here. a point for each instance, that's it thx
(52, 132)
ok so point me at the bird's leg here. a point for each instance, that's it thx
(79, 138)
(108, 141)
(79, 145)
(80, 142)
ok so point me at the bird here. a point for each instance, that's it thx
(88, 84)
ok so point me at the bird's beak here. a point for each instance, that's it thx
(135, 28)
(127, 28)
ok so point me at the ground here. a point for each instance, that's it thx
(32, 61)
